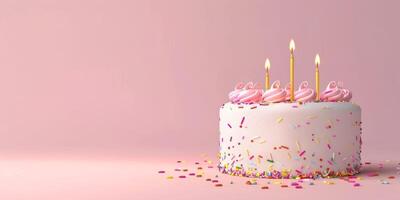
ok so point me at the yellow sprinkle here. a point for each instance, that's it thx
(290, 156)
(262, 142)
(277, 182)
(298, 145)
(170, 177)
(312, 117)
(317, 140)
(279, 120)
(248, 152)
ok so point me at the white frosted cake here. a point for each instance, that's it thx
(263, 134)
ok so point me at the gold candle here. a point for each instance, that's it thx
(267, 66)
(291, 47)
(317, 62)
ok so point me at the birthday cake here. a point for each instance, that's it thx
(269, 135)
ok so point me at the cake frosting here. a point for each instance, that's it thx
(263, 134)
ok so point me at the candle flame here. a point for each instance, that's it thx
(317, 60)
(292, 45)
(267, 64)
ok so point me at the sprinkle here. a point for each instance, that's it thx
(391, 177)
(253, 107)
(177, 170)
(290, 156)
(262, 142)
(264, 187)
(279, 120)
(298, 145)
(251, 157)
(218, 185)
(385, 182)
(311, 183)
(182, 176)
(192, 174)
(256, 138)
(248, 152)
(209, 179)
(284, 147)
(199, 175)
(161, 172)
(302, 153)
(229, 125)
(312, 117)
(372, 174)
(284, 186)
(329, 146)
(298, 187)
(356, 185)
(170, 177)
(241, 123)
(214, 181)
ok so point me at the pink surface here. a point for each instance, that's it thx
(143, 80)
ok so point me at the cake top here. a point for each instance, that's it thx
(253, 93)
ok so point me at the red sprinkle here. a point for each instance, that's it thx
(218, 185)
(161, 172)
(182, 176)
(302, 153)
(356, 185)
(264, 187)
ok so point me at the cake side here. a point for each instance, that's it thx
(288, 140)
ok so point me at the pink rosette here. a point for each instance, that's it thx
(335, 92)
(287, 89)
(347, 95)
(275, 94)
(249, 93)
(304, 93)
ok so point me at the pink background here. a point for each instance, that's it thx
(144, 79)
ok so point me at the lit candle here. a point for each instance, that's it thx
(317, 62)
(267, 66)
(291, 47)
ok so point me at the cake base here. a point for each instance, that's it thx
(290, 140)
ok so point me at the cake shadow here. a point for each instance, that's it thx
(380, 170)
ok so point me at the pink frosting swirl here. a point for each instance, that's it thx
(304, 93)
(275, 93)
(249, 93)
(335, 92)
(287, 89)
